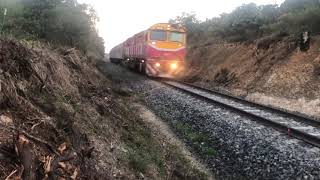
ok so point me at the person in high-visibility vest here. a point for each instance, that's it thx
(304, 42)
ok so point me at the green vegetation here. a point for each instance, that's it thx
(250, 22)
(199, 140)
(147, 152)
(59, 22)
(143, 150)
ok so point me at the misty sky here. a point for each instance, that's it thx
(120, 19)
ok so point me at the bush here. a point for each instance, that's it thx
(265, 42)
(225, 77)
(305, 20)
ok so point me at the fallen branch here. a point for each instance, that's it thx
(49, 146)
(54, 164)
(11, 174)
(27, 157)
(35, 125)
(67, 52)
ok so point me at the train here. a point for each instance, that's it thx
(159, 51)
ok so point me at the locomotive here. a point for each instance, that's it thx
(158, 51)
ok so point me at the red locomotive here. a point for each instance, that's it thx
(158, 51)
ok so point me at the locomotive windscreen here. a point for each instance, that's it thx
(158, 35)
(176, 37)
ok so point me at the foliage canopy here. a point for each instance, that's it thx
(61, 22)
(250, 21)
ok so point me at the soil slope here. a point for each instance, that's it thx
(269, 72)
(60, 118)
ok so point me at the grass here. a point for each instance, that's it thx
(210, 151)
(146, 153)
(200, 141)
(139, 160)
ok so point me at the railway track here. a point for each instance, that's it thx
(303, 128)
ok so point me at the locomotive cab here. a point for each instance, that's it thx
(165, 49)
(158, 51)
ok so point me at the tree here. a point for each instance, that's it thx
(296, 5)
(36, 14)
(63, 22)
(250, 22)
(190, 21)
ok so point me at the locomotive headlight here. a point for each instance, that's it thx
(158, 65)
(174, 66)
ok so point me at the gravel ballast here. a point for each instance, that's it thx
(244, 149)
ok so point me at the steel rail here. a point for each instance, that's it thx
(297, 117)
(293, 132)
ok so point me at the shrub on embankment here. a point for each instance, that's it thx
(58, 22)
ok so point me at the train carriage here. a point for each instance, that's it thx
(116, 54)
(159, 51)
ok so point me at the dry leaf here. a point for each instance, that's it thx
(5, 120)
(62, 165)
(47, 164)
(62, 148)
(75, 174)
(23, 140)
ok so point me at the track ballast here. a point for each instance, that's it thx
(303, 128)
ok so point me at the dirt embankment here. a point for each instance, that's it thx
(270, 71)
(60, 118)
